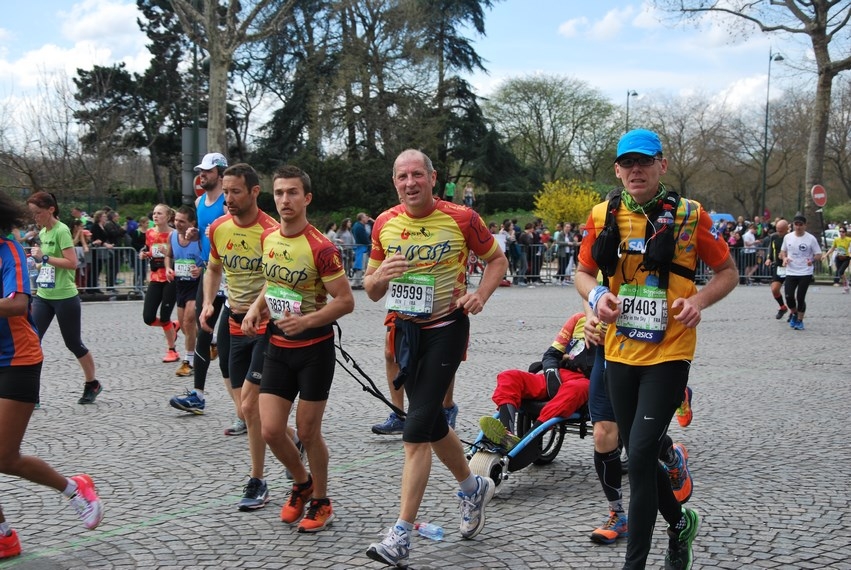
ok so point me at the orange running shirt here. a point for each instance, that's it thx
(695, 239)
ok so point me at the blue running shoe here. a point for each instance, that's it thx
(393, 425)
(451, 414)
(614, 528)
(793, 318)
(473, 507)
(799, 325)
(255, 495)
(189, 402)
(393, 550)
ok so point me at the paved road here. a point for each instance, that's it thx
(769, 451)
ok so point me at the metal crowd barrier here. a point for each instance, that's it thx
(108, 271)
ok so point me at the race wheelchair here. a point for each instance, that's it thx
(539, 444)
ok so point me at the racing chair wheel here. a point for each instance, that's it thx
(488, 464)
(551, 442)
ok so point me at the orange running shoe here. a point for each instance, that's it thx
(171, 356)
(319, 515)
(613, 529)
(214, 352)
(680, 477)
(293, 509)
(184, 370)
(10, 545)
(684, 413)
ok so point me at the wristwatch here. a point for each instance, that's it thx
(44, 258)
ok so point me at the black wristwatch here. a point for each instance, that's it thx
(44, 258)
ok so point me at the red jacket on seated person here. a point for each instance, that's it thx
(566, 369)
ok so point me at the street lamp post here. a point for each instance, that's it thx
(771, 57)
(629, 93)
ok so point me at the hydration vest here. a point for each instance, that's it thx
(660, 240)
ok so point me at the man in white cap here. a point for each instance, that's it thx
(209, 207)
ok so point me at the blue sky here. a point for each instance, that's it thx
(613, 45)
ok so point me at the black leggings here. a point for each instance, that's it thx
(440, 352)
(644, 399)
(204, 339)
(69, 315)
(795, 287)
(160, 295)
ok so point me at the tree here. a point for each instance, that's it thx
(549, 122)
(823, 22)
(565, 201)
(220, 32)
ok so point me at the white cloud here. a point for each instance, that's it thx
(93, 32)
(612, 24)
(571, 28)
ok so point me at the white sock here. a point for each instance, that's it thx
(200, 393)
(409, 527)
(5, 529)
(470, 485)
(190, 358)
(70, 489)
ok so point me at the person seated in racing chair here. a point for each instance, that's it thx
(563, 381)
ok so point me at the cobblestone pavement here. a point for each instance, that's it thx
(769, 451)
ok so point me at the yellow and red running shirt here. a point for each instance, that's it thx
(239, 251)
(437, 245)
(298, 267)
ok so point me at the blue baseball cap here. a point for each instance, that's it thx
(639, 141)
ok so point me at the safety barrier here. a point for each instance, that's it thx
(107, 271)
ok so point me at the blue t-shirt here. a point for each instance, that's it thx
(206, 216)
(191, 251)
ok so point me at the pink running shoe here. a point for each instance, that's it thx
(86, 501)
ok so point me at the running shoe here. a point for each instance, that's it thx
(780, 312)
(298, 498)
(799, 325)
(86, 502)
(302, 455)
(214, 352)
(255, 495)
(496, 432)
(90, 392)
(393, 425)
(451, 414)
(614, 528)
(184, 370)
(237, 428)
(679, 475)
(679, 555)
(10, 545)
(793, 318)
(684, 413)
(190, 402)
(319, 515)
(473, 507)
(393, 550)
(171, 356)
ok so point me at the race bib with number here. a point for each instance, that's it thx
(183, 269)
(644, 312)
(281, 300)
(159, 249)
(46, 277)
(412, 295)
(781, 271)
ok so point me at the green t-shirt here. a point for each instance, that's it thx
(53, 242)
(449, 191)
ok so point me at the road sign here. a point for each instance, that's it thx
(199, 190)
(819, 195)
